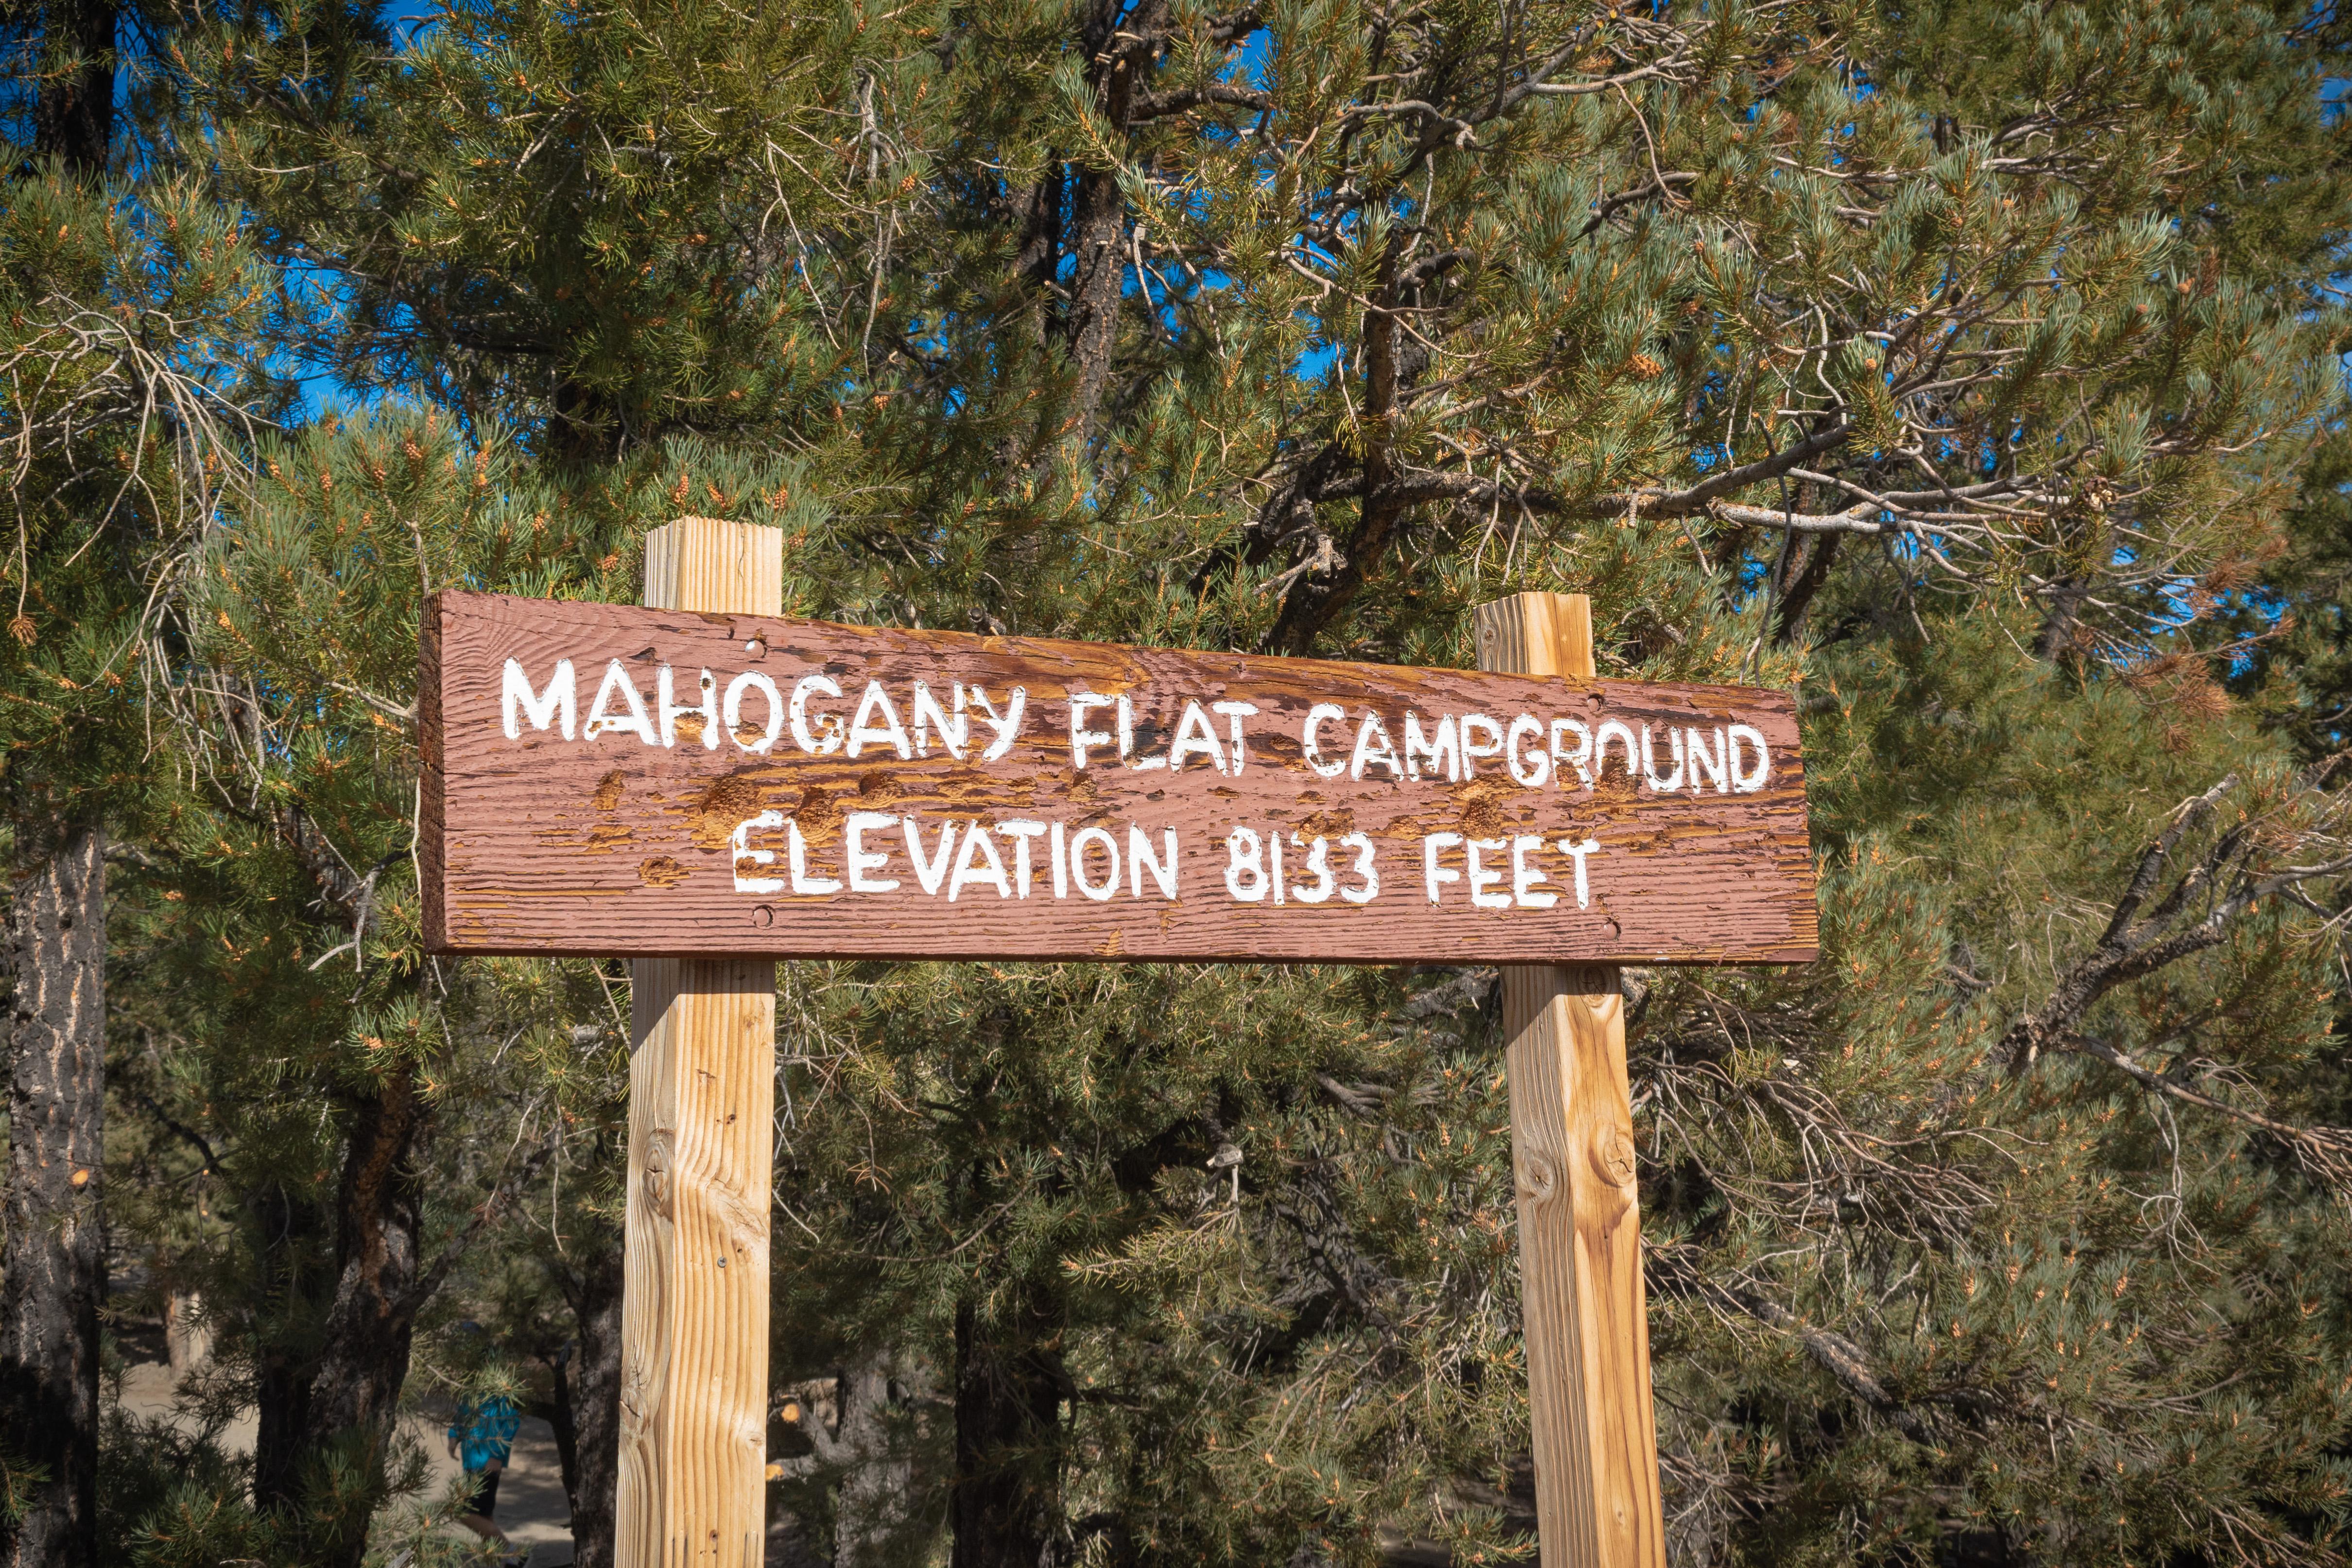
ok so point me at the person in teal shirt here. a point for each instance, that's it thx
(481, 1439)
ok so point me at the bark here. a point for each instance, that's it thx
(53, 1261)
(583, 427)
(1006, 1504)
(1100, 226)
(284, 1358)
(565, 1421)
(2057, 633)
(1803, 581)
(187, 1333)
(595, 1294)
(73, 117)
(1040, 243)
(878, 1514)
(336, 1408)
(877, 1500)
(1121, 45)
(363, 1354)
(1325, 592)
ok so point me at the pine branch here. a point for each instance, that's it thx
(2324, 1151)
(430, 1279)
(1843, 1360)
(2198, 911)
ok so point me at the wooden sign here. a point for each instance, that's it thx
(605, 780)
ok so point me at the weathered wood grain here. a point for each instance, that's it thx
(1572, 1151)
(702, 1070)
(614, 843)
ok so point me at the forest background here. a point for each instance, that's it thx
(1969, 367)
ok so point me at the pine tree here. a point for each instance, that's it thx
(1951, 363)
(296, 977)
(131, 314)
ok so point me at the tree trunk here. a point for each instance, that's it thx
(1006, 1505)
(1803, 581)
(73, 120)
(187, 1334)
(281, 1400)
(53, 1261)
(2056, 637)
(363, 1352)
(878, 1511)
(565, 1422)
(284, 1351)
(1114, 44)
(583, 426)
(595, 1297)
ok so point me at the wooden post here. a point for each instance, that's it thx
(694, 1315)
(1588, 1339)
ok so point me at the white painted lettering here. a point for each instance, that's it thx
(930, 873)
(1745, 782)
(1600, 750)
(1008, 728)
(889, 732)
(1316, 716)
(1363, 868)
(1127, 739)
(1431, 873)
(1195, 734)
(1491, 747)
(1535, 771)
(1714, 764)
(1318, 861)
(1139, 859)
(1234, 713)
(801, 880)
(1481, 878)
(1021, 832)
(602, 720)
(1445, 746)
(1246, 865)
(554, 706)
(861, 860)
(1673, 780)
(1127, 730)
(1372, 745)
(666, 706)
(1061, 862)
(1080, 842)
(1081, 736)
(967, 871)
(1576, 852)
(952, 723)
(1525, 877)
(826, 740)
(738, 844)
(732, 707)
(1274, 864)
(1576, 758)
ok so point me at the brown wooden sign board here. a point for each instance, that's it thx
(605, 780)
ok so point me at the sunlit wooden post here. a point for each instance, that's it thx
(1588, 1336)
(702, 1074)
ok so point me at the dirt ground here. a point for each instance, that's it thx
(531, 1506)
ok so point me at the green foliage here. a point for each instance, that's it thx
(175, 1497)
(2028, 1249)
(1133, 1174)
(273, 991)
(130, 333)
(1308, 329)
